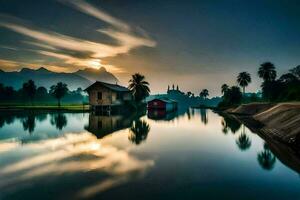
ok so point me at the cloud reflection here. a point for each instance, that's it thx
(70, 154)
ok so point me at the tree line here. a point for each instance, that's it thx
(285, 88)
(32, 94)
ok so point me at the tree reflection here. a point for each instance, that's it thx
(2, 122)
(29, 123)
(243, 141)
(204, 118)
(266, 159)
(139, 131)
(230, 123)
(41, 117)
(59, 120)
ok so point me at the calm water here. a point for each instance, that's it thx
(194, 155)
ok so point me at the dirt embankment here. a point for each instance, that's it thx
(280, 120)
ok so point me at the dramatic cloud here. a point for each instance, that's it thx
(98, 13)
(57, 43)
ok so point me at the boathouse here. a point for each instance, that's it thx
(106, 96)
(163, 103)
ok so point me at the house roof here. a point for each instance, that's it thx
(114, 87)
(165, 99)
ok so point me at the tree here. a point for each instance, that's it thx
(267, 72)
(58, 91)
(296, 71)
(41, 93)
(243, 80)
(29, 89)
(224, 88)
(189, 94)
(139, 87)
(288, 78)
(204, 93)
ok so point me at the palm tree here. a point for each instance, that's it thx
(224, 88)
(296, 71)
(29, 88)
(204, 93)
(58, 91)
(139, 87)
(243, 80)
(267, 71)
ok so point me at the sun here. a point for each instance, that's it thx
(94, 63)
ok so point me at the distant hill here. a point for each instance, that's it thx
(97, 75)
(46, 78)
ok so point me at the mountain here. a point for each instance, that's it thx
(97, 75)
(46, 78)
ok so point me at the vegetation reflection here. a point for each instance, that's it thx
(59, 120)
(204, 117)
(29, 122)
(229, 123)
(266, 159)
(243, 141)
(139, 131)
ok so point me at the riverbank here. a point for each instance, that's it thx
(280, 121)
(68, 108)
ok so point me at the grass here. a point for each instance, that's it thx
(64, 107)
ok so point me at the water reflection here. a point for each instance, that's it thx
(243, 141)
(29, 122)
(162, 115)
(58, 160)
(204, 117)
(139, 131)
(59, 120)
(103, 125)
(266, 159)
(229, 123)
(91, 164)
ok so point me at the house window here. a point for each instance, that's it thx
(99, 95)
(119, 96)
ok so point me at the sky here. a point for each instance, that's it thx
(194, 44)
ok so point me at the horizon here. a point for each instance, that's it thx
(204, 47)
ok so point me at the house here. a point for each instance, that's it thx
(162, 103)
(105, 96)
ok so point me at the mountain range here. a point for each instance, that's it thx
(47, 78)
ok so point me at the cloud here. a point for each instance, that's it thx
(98, 13)
(59, 45)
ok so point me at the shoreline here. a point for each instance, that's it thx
(68, 108)
(278, 121)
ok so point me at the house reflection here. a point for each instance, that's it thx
(103, 125)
